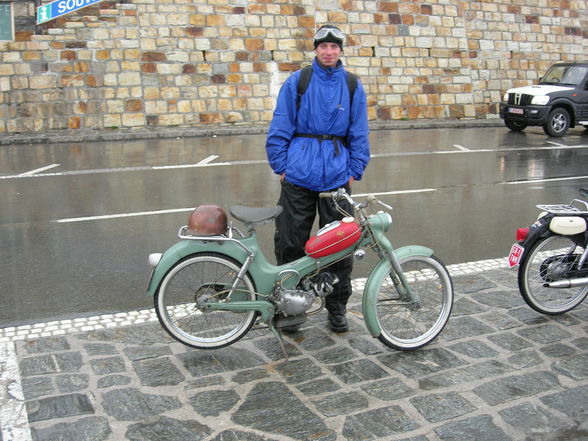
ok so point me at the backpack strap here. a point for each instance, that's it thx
(351, 85)
(305, 75)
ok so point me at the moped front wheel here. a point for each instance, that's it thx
(186, 290)
(411, 323)
(549, 260)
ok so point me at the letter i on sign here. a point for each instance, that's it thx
(43, 16)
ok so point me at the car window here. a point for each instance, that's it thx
(565, 75)
(575, 75)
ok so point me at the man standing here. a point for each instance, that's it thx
(317, 142)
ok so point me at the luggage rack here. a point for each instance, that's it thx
(566, 209)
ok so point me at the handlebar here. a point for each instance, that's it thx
(341, 193)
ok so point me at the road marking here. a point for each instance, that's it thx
(37, 170)
(556, 143)
(462, 148)
(119, 215)
(207, 162)
(182, 210)
(535, 181)
(384, 193)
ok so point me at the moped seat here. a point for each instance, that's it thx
(254, 216)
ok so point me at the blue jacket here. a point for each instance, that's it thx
(319, 165)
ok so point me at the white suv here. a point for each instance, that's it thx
(558, 102)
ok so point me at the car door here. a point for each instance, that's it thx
(581, 97)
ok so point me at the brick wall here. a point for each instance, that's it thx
(194, 63)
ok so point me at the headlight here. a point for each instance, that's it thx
(154, 259)
(540, 100)
(505, 97)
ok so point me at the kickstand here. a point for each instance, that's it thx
(278, 334)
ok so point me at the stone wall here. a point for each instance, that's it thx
(195, 63)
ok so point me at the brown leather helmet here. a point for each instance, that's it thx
(208, 220)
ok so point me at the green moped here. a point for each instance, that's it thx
(209, 290)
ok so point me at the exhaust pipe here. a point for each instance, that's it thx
(567, 283)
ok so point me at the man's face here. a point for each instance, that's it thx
(328, 54)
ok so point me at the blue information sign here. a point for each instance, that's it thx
(57, 8)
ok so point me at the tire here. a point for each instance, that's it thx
(406, 326)
(534, 272)
(558, 123)
(514, 125)
(181, 298)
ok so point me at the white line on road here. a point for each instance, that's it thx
(206, 162)
(37, 170)
(535, 181)
(181, 210)
(461, 147)
(119, 215)
(384, 193)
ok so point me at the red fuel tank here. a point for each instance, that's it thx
(333, 237)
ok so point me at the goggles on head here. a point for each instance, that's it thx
(322, 33)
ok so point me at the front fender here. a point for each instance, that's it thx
(375, 279)
(185, 248)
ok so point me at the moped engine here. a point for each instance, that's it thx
(296, 301)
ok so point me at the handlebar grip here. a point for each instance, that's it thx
(325, 195)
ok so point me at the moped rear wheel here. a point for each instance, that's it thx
(408, 324)
(548, 261)
(186, 290)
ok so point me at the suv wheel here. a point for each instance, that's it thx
(558, 123)
(515, 126)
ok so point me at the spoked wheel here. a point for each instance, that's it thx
(186, 290)
(548, 261)
(407, 324)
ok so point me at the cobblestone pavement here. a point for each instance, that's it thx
(499, 371)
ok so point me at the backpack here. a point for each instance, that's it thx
(306, 74)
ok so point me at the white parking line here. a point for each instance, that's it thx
(535, 181)
(37, 170)
(384, 193)
(207, 162)
(180, 210)
(119, 215)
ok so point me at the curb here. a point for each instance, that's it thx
(62, 136)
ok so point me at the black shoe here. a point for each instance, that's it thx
(338, 322)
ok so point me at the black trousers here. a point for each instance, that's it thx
(293, 228)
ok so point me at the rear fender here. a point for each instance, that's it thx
(380, 271)
(185, 248)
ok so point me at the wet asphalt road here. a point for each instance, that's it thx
(79, 219)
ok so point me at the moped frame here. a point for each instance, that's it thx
(247, 252)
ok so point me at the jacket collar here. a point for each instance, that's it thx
(324, 71)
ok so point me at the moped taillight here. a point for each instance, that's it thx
(522, 234)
